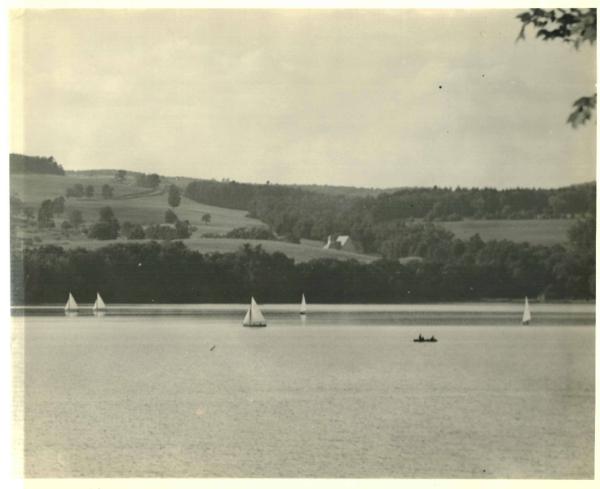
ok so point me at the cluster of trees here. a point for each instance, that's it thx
(255, 232)
(47, 210)
(132, 231)
(447, 204)
(229, 194)
(177, 230)
(170, 272)
(107, 227)
(151, 180)
(174, 229)
(78, 190)
(34, 164)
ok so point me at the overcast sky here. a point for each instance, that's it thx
(365, 98)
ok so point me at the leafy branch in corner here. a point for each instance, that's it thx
(574, 26)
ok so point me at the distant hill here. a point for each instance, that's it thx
(375, 222)
(393, 223)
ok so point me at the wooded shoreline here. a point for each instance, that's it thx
(171, 273)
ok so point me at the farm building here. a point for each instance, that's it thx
(340, 243)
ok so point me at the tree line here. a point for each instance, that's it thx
(169, 272)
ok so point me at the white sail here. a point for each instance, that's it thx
(254, 317)
(526, 313)
(99, 305)
(246, 321)
(71, 305)
(303, 305)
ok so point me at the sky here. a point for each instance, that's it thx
(370, 98)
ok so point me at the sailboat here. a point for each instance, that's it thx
(71, 305)
(303, 306)
(526, 313)
(99, 305)
(254, 317)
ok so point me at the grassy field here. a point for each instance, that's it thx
(144, 206)
(130, 203)
(535, 231)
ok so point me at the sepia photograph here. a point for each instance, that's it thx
(302, 243)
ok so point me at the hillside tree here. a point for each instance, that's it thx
(107, 226)
(45, 214)
(174, 198)
(75, 217)
(170, 217)
(107, 191)
(153, 180)
(58, 205)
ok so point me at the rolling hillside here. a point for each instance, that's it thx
(143, 206)
(130, 203)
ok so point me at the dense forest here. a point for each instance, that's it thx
(378, 223)
(171, 273)
(34, 164)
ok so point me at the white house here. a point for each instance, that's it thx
(340, 243)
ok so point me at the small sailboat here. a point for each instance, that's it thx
(71, 305)
(254, 317)
(526, 313)
(303, 306)
(99, 305)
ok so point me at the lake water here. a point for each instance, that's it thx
(186, 391)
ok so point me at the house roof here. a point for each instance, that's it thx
(342, 239)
